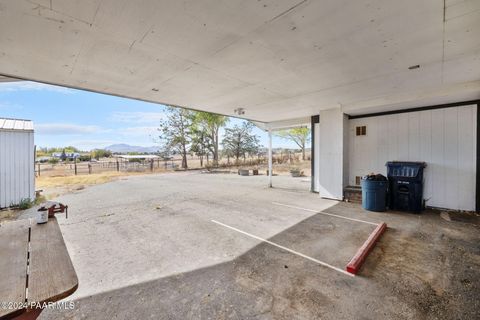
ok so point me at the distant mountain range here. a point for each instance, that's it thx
(125, 148)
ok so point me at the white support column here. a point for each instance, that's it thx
(333, 163)
(270, 166)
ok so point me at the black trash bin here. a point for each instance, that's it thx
(405, 185)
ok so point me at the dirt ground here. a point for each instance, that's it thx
(58, 181)
(147, 247)
(282, 164)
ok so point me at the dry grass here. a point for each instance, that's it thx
(9, 215)
(80, 180)
(54, 186)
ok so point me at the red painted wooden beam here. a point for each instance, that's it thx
(354, 265)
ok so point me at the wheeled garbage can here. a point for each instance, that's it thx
(374, 194)
(406, 185)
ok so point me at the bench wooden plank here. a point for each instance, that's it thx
(13, 263)
(52, 276)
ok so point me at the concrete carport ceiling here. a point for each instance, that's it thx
(277, 59)
(8, 79)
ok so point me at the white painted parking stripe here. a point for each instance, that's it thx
(286, 249)
(324, 213)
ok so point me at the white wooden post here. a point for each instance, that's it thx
(270, 166)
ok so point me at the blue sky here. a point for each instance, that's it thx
(88, 120)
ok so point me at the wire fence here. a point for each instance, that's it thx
(87, 167)
(155, 165)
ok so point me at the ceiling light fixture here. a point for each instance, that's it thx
(414, 67)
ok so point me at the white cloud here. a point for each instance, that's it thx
(65, 129)
(138, 131)
(138, 117)
(31, 86)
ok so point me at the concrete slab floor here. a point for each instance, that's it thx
(146, 247)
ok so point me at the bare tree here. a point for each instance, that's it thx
(298, 135)
(201, 144)
(208, 125)
(175, 132)
(240, 141)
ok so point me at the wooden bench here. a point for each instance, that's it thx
(35, 268)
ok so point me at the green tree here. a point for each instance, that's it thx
(53, 160)
(84, 157)
(100, 153)
(240, 141)
(300, 136)
(71, 149)
(201, 144)
(175, 132)
(207, 126)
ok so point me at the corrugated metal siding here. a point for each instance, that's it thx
(444, 138)
(17, 175)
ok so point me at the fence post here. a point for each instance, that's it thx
(75, 166)
(151, 165)
(39, 169)
(89, 168)
(118, 166)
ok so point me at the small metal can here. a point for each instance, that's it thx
(42, 216)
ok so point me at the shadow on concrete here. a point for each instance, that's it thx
(401, 279)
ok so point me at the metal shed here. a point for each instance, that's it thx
(17, 171)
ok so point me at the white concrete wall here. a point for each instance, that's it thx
(17, 171)
(346, 164)
(331, 154)
(444, 138)
(316, 181)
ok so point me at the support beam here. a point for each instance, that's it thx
(332, 146)
(270, 161)
(477, 189)
(314, 120)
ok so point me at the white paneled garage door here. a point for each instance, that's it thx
(444, 138)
